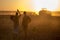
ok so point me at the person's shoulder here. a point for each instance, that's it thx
(12, 15)
(27, 16)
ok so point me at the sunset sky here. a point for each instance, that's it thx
(29, 5)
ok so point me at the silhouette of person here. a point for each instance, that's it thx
(25, 22)
(15, 20)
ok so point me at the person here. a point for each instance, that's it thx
(25, 22)
(15, 20)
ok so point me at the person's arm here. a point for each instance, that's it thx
(29, 19)
(12, 17)
(18, 11)
(19, 15)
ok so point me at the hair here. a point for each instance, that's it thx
(16, 13)
(24, 12)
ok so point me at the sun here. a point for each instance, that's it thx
(37, 5)
(48, 4)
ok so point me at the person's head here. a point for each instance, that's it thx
(16, 13)
(17, 10)
(24, 13)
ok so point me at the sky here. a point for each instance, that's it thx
(29, 5)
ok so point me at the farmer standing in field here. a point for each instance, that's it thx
(15, 20)
(25, 22)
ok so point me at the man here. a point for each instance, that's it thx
(25, 22)
(15, 20)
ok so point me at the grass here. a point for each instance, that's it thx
(39, 28)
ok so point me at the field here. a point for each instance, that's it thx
(40, 28)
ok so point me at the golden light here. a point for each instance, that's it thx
(48, 4)
(37, 5)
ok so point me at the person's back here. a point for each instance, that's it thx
(15, 20)
(25, 22)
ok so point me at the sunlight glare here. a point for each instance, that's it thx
(48, 4)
